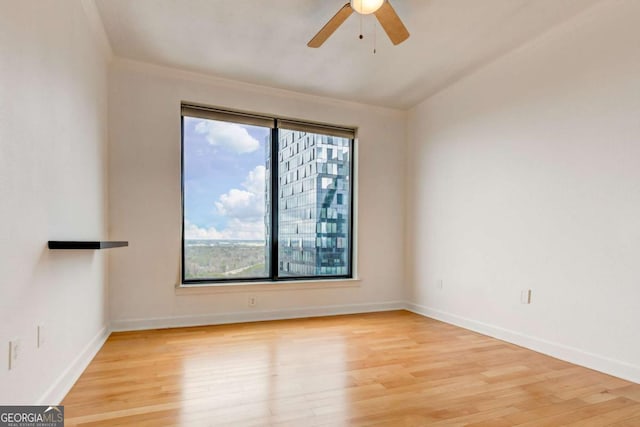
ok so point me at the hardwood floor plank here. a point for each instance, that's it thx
(377, 369)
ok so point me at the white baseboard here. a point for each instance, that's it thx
(66, 380)
(597, 362)
(250, 316)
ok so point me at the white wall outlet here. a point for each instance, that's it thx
(41, 336)
(252, 301)
(14, 352)
(525, 296)
(439, 284)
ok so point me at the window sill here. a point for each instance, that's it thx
(215, 288)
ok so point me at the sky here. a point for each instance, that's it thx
(224, 180)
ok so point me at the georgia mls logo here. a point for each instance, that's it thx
(54, 413)
(31, 416)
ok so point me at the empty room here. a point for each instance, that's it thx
(320, 213)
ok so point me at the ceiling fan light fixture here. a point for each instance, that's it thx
(385, 14)
(366, 7)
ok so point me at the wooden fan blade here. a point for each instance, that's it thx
(331, 26)
(391, 23)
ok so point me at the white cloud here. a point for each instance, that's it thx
(255, 181)
(248, 204)
(245, 209)
(228, 135)
(236, 230)
(193, 232)
(245, 230)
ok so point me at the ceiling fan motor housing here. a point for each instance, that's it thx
(366, 7)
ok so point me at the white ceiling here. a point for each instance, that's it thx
(264, 42)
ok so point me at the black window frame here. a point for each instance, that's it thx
(273, 276)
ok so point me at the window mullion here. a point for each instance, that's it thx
(274, 202)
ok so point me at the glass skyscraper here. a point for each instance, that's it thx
(313, 204)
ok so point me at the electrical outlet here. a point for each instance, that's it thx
(252, 301)
(525, 296)
(14, 352)
(439, 285)
(41, 336)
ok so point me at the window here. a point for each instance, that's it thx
(264, 198)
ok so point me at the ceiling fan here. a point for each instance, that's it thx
(386, 15)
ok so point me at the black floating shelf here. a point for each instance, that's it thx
(67, 244)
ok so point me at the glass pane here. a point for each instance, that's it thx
(313, 204)
(226, 224)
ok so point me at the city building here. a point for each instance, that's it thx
(314, 176)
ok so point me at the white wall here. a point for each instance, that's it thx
(526, 174)
(144, 203)
(53, 96)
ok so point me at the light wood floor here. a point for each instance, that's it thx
(391, 369)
